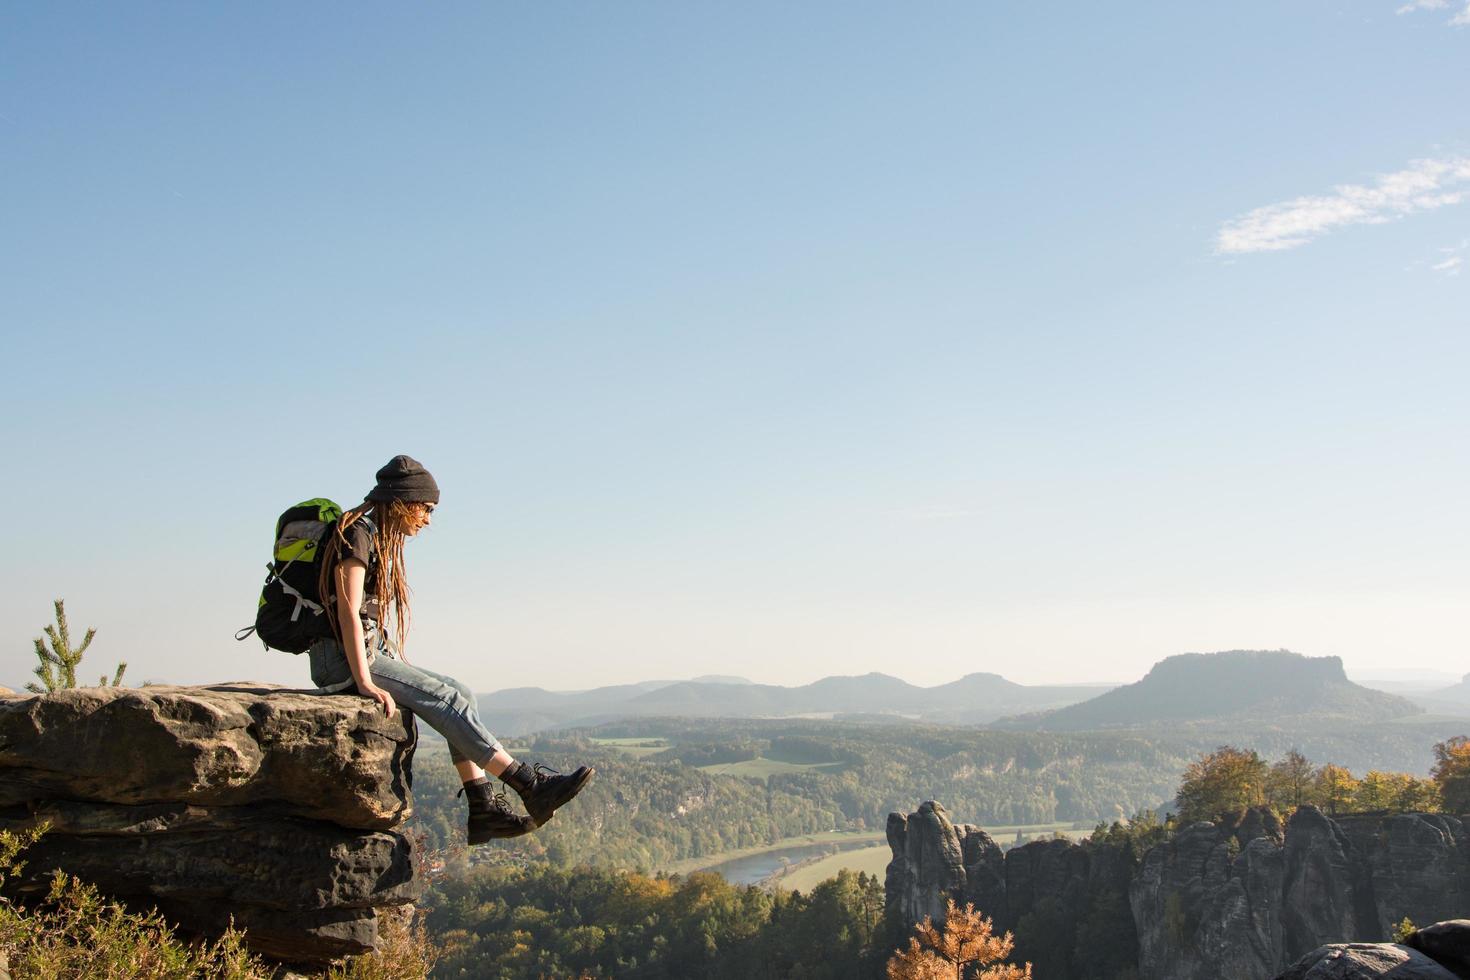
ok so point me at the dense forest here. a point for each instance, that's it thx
(510, 922)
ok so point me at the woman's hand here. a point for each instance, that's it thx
(371, 690)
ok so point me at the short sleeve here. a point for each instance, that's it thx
(358, 543)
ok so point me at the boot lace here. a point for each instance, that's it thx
(497, 800)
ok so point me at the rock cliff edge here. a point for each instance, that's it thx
(272, 806)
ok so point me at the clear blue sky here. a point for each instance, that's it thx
(767, 339)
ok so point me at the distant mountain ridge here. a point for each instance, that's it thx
(1277, 688)
(1234, 689)
(973, 699)
(1455, 693)
(1434, 697)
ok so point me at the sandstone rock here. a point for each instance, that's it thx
(1054, 870)
(928, 864)
(1448, 943)
(1418, 865)
(1205, 907)
(1240, 898)
(1048, 886)
(1328, 895)
(328, 758)
(6, 692)
(306, 890)
(1365, 961)
(1254, 823)
(269, 805)
(1047, 896)
(984, 867)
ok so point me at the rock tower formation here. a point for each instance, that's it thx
(1241, 898)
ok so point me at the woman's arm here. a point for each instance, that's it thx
(351, 574)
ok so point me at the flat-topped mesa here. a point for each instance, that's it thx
(272, 805)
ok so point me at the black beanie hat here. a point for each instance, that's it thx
(404, 478)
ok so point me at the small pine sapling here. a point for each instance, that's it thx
(58, 666)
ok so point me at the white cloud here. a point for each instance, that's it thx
(1460, 19)
(1454, 259)
(1448, 262)
(1422, 186)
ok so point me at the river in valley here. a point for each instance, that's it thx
(756, 868)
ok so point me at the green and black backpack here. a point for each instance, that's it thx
(289, 616)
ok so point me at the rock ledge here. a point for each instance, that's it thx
(273, 805)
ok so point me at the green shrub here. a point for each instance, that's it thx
(404, 951)
(75, 933)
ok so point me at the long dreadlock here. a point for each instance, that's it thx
(390, 590)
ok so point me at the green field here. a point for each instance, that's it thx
(762, 768)
(874, 860)
(636, 747)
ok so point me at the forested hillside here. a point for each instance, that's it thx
(718, 786)
(652, 811)
(669, 790)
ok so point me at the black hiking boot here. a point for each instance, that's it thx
(543, 790)
(490, 814)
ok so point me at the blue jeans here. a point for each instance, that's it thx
(447, 705)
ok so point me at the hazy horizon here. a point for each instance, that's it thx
(1405, 677)
(766, 340)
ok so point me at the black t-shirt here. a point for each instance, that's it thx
(358, 543)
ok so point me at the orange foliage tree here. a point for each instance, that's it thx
(965, 944)
(1452, 773)
(1335, 789)
(1223, 781)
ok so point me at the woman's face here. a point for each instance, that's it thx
(420, 516)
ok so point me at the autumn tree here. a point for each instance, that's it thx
(1416, 795)
(1452, 773)
(1223, 781)
(1289, 782)
(965, 944)
(1334, 789)
(1376, 791)
(1395, 791)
